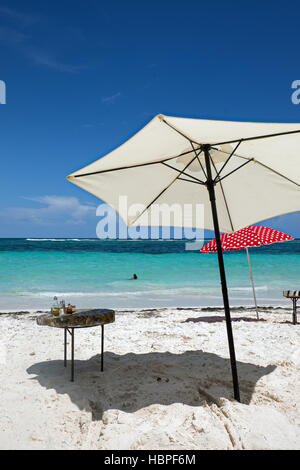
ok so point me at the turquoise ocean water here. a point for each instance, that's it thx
(97, 273)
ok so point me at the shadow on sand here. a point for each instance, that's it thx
(134, 381)
(219, 319)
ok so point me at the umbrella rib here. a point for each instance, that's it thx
(183, 173)
(119, 168)
(262, 164)
(232, 153)
(134, 166)
(198, 159)
(236, 169)
(225, 200)
(258, 137)
(227, 153)
(191, 181)
(179, 132)
(164, 190)
(277, 173)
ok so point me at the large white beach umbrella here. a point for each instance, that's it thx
(241, 172)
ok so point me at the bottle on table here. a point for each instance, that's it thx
(55, 309)
(69, 309)
(62, 307)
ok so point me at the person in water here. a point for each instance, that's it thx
(134, 276)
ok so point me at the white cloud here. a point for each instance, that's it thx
(41, 58)
(112, 98)
(55, 210)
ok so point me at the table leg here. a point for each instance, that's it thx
(72, 333)
(65, 347)
(295, 311)
(72, 367)
(102, 348)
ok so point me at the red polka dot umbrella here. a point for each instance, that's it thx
(246, 238)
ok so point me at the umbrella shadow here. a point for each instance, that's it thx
(219, 319)
(134, 381)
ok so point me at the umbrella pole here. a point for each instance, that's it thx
(211, 190)
(252, 282)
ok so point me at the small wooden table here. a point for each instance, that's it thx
(294, 295)
(83, 318)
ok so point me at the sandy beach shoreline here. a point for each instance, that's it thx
(166, 384)
(235, 308)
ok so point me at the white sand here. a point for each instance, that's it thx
(166, 384)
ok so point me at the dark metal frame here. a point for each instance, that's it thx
(71, 332)
(295, 299)
(210, 182)
(211, 190)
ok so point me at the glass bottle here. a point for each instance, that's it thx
(62, 307)
(55, 308)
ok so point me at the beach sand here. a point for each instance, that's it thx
(166, 384)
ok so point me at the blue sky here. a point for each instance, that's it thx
(82, 77)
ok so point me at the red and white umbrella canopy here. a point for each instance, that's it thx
(247, 238)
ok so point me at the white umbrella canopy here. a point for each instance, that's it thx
(147, 169)
(241, 172)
